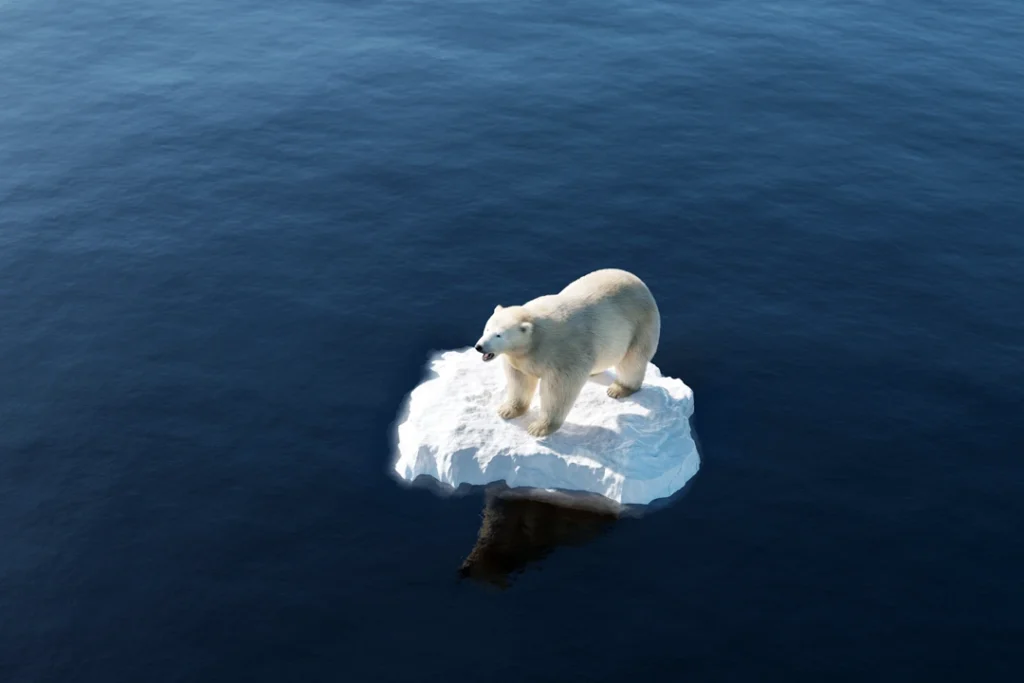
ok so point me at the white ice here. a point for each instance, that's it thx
(632, 451)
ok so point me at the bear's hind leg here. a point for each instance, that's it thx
(630, 371)
(519, 392)
(557, 395)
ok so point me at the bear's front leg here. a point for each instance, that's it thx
(519, 392)
(557, 395)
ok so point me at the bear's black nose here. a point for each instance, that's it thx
(479, 348)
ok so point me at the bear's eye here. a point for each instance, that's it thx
(499, 336)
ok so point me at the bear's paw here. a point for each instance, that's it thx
(508, 411)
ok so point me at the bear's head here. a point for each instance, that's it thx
(509, 330)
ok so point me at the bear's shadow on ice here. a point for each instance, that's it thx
(567, 440)
(518, 530)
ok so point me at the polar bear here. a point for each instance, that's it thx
(605, 319)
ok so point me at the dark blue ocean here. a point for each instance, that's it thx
(232, 232)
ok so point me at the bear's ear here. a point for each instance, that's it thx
(525, 327)
(497, 308)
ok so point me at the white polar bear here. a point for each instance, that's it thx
(602, 320)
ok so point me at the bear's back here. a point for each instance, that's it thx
(593, 319)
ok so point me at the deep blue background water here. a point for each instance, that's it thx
(232, 231)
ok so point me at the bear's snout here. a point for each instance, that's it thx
(479, 347)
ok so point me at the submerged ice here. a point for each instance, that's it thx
(631, 451)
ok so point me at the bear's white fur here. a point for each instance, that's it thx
(602, 320)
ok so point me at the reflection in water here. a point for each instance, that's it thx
(517, 530)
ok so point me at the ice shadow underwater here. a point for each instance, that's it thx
(518, 530)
